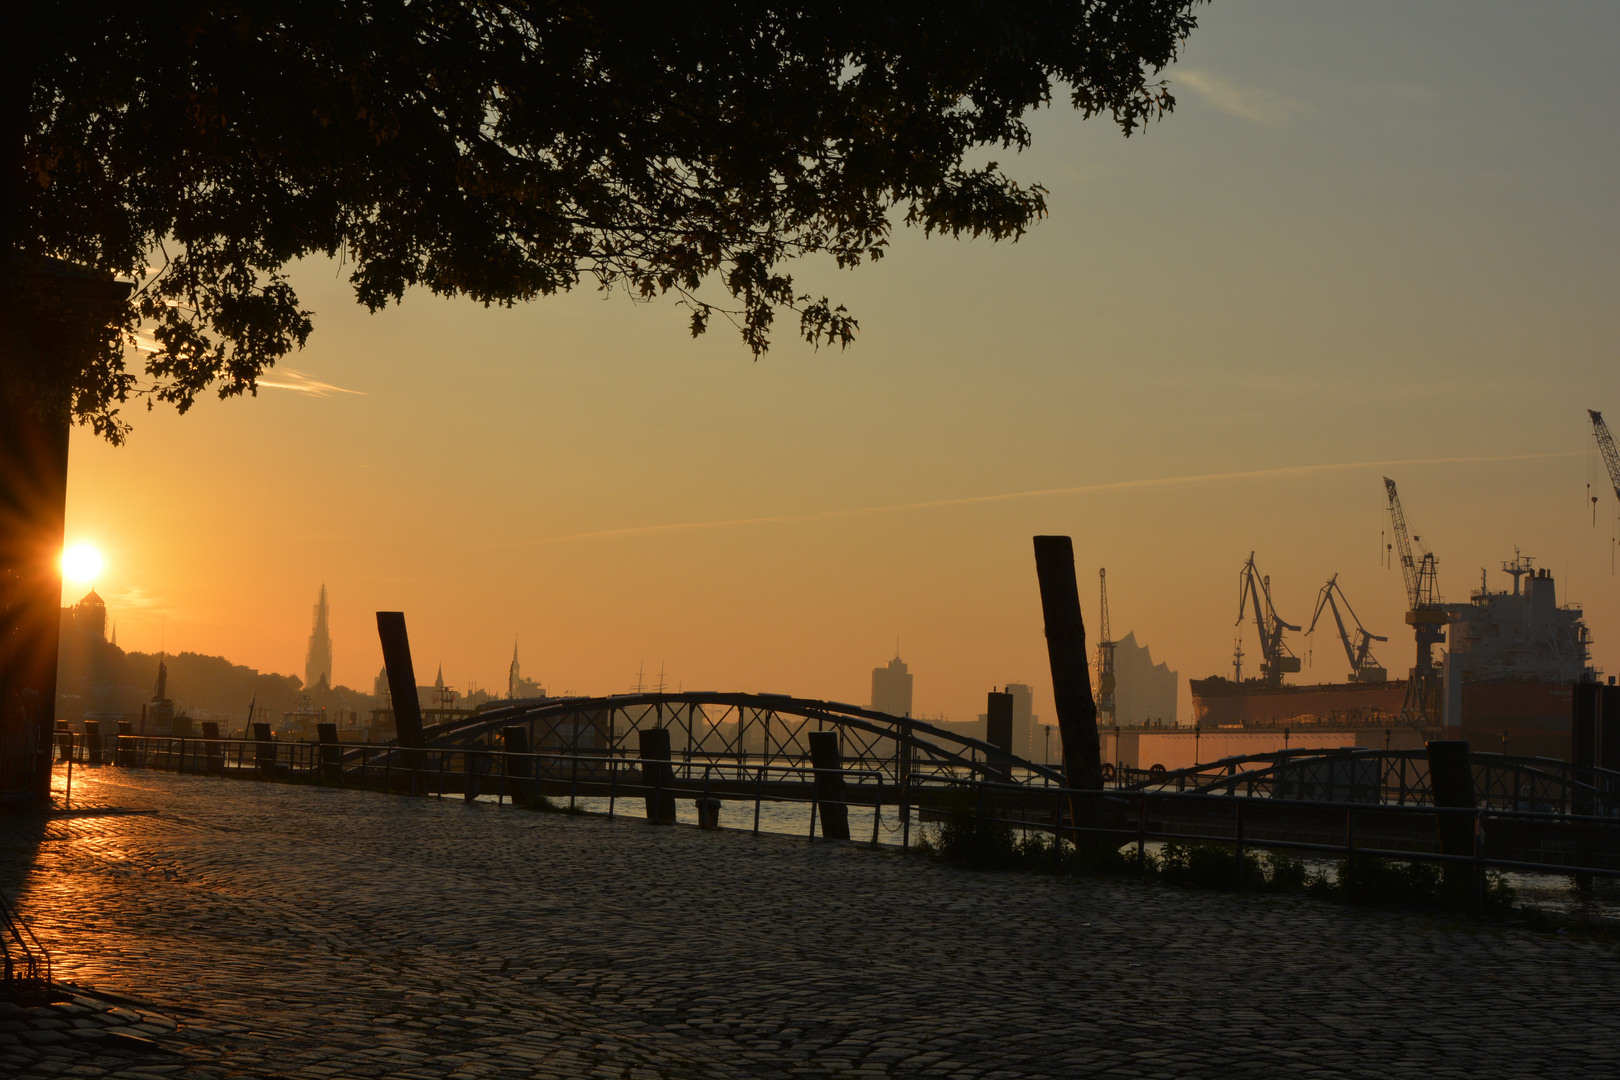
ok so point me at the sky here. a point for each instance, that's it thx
(1373, 239)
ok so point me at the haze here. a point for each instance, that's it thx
(1373, 238)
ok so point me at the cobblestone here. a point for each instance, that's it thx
(268, 930)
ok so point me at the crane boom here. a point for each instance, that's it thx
(1276, 660)
(1427, 616)
(1363, 667)
(1605, 441)
(1105, 657)
(1403, 542)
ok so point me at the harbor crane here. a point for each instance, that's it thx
(1363, 667)
(1611, 457)
(1105, 660)
(1276, 658)
(1425, 615)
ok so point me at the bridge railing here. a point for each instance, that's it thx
(1583, 843)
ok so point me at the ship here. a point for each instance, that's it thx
(1504, 683)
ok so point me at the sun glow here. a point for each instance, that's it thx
(81, 563)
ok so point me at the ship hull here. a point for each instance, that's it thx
(1219, 703)
(1534, 716)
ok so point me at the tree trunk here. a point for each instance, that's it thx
(33, 498)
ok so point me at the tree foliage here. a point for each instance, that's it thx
(505, 151)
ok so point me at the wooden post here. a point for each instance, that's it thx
(657, 775)
(998, 732)
(1451, 784)
(475, 765)
(331, 754)
(519, 766)
(828, 760)
(124, 755)
(92, 742)
(396, 648)
(1071, 679)
(264, 753)
(213, 751)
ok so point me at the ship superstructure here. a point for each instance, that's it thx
(1519, 636)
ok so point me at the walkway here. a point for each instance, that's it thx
(289, 931)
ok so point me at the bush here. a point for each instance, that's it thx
(966, 838)
(970, 838)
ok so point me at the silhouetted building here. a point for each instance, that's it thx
(516, 685)
(891, 688)
(1144, 692)
(1023, 719)
(87, 619)
(318, 659)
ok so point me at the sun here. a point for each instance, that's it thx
(82, 563)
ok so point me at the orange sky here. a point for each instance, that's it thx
(1371, 240)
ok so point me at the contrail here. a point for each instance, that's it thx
(1039, 493)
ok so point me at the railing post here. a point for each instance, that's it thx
(759, 793)
(877, 811)
(1349, 852)
(1479, 861)
(92, 742)
(905, 804)
(1237, 833)
(1141, 834)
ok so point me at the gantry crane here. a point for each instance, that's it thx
(1276, 659)
(1425, 615)
(1611, 457)
(1106, 710)
(1363, 667)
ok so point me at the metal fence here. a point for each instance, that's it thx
(1270, 815)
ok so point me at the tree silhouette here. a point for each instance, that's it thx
(503, 151)
(509, 151)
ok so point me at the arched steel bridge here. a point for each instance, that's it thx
(732, 733)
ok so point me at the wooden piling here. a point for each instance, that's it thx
(396, 649)
(124, 754)
(519, 766)
(657, 775)
(1071, 681)
(828, 759)
(213, 749)
(998, 732)
(331, 754)
(264, 752)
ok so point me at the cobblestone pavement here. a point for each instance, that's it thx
(268, 930)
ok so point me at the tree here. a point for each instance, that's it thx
(505, 152)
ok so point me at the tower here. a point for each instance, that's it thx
(318, 660)
(513, 675)
(891, 688)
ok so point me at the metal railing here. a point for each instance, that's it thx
(1268, 819)
(25, 964)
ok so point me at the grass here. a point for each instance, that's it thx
(963, 837)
